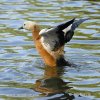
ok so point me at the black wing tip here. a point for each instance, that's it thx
(73, 19)
(65, 24)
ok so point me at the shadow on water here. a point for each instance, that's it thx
(52, 84)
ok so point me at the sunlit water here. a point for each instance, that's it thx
(23, 75)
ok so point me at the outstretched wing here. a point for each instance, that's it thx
(52, 39)
(70, 31)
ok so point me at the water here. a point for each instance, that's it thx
(23, 75)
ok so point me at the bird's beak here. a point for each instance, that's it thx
(20, 28)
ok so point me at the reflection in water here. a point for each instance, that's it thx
(52, 84)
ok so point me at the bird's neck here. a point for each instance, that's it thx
(48, 59)
(35, 33)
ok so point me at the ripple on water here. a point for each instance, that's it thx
(22, 69)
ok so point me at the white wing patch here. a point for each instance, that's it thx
(42, 32)
(67, 29)
(48, 39)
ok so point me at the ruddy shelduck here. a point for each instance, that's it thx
(50, 41)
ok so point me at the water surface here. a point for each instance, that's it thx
(23, 74)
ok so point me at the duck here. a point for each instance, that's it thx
(50, 42)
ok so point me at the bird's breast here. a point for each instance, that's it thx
(48, 58)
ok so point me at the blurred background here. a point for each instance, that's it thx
(23, 75)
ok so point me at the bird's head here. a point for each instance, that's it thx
(29, 25)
